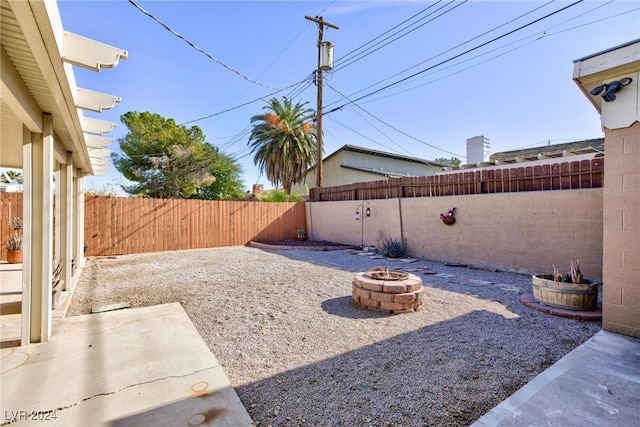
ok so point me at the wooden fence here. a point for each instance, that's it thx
(10, 207)
(557, 176)
(123, 225)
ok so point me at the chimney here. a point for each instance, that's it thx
(477, 149)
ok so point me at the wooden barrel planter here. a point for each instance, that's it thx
(571, 296)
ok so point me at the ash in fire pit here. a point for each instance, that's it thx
(381, 289)
(386, 274)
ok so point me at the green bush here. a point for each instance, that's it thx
(392, 248)
(280, 196)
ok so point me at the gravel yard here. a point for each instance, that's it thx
(298, 352)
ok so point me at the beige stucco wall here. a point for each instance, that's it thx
(621, 237)
(527, 232)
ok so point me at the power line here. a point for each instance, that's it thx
(364, 55)
(300, 89)
(423, 142)
(453, 57)
(181, 37)
(406, 134)
(345, 56)
(361, 134)
(539, 36)
(294, 93)
(244, 104)
(368, 122)
(459, 45)
(283, 51)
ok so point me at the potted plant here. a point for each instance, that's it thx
(14, 244)
(302, 234)
(570, 291)
(449, 218)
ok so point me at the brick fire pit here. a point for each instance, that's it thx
(380, 289)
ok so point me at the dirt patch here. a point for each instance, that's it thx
(315, 245)
(301, 244)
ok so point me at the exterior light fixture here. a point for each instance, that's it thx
(366, 212)
(610, 89)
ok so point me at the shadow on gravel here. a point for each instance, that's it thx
(446, 374)
(344, 307)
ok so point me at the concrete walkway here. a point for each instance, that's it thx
(136, 367)
(597, 384)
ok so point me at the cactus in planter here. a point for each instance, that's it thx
(576, 274)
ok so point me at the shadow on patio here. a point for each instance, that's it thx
(119, 368)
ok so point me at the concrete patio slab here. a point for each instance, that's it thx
(134, 367)
(597, 384)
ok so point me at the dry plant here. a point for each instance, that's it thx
(575, 276)
(557, 276)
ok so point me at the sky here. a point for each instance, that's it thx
(409, 77)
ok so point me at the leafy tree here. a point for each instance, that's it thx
(164, 159)
(454, 161)
(283, 142)
(227, 184)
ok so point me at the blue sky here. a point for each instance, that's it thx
(516, 90)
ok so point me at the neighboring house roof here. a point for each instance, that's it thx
(378, 153)
(351, 163)
(586, 146)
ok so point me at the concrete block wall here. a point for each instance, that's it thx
(621, 236)
(526, 232)
(335, 221)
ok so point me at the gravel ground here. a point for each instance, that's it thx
(298, 352)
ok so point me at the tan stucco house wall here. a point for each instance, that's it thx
(352, 164)
(596, 75)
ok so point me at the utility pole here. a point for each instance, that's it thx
(321, 23)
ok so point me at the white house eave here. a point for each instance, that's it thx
(88, 53)
(17, 96)
(95, 101)
(97, 141)
(97, 126)
(592, 71)
(44, 72)
(99, 153)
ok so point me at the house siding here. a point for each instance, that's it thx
(342, 168)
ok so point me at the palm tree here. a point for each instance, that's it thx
(283, 142)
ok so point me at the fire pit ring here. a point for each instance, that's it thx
(391, 291)
(386, 274)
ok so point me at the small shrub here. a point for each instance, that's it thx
(280, 196)
(392, 248)
(14, 243)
